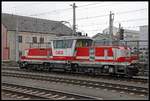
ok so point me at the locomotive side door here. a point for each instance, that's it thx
(84, 46)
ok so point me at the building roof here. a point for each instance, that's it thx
(30, 24)
(125, 30)
(71, 37)
(144, 26)
(101, 36)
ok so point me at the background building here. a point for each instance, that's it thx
(128, 34)
(101, 36)
(144, 36)
(144, 32)
(30, 30)
(102, 39)
(144, 49)
(5, 49)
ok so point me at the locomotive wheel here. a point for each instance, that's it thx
(129, 73)
(74, 67)
(49, 69)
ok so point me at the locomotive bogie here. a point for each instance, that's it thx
(23, 64)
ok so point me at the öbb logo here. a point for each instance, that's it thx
(59, 52)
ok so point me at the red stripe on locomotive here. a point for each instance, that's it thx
(40, 52)
(99, 51)
(82, 51)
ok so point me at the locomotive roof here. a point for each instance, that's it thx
(70, 37)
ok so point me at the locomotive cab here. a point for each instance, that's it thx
(64, 48)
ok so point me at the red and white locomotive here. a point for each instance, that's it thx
(78, 54)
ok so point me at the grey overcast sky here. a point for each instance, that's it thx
(91, 17)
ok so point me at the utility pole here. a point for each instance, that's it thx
(111, 19)
(17, 42)
(74, 19)
(119, 26)
(119, 31)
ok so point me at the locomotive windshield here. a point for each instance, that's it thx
(63, 43)
(83, 43)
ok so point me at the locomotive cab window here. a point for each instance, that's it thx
(83, 43)
(63, 43)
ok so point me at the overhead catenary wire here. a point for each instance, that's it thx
(117, 13)
(20, 5)
(129, 20)
(88, 5)
(137, 26)
(50, 12)
(80, 6)
(136, 10)
(99, 29)
(58, 10)
(101, 5)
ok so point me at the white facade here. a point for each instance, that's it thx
(143, 32)
(27, 40)
(144, 44)
(128, 34)
(143, 36)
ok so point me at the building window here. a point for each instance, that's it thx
(34, 39)
(41, 40)
(20, 39)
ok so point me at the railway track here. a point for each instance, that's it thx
(141, 91)
(107, 77)
(38, 93)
